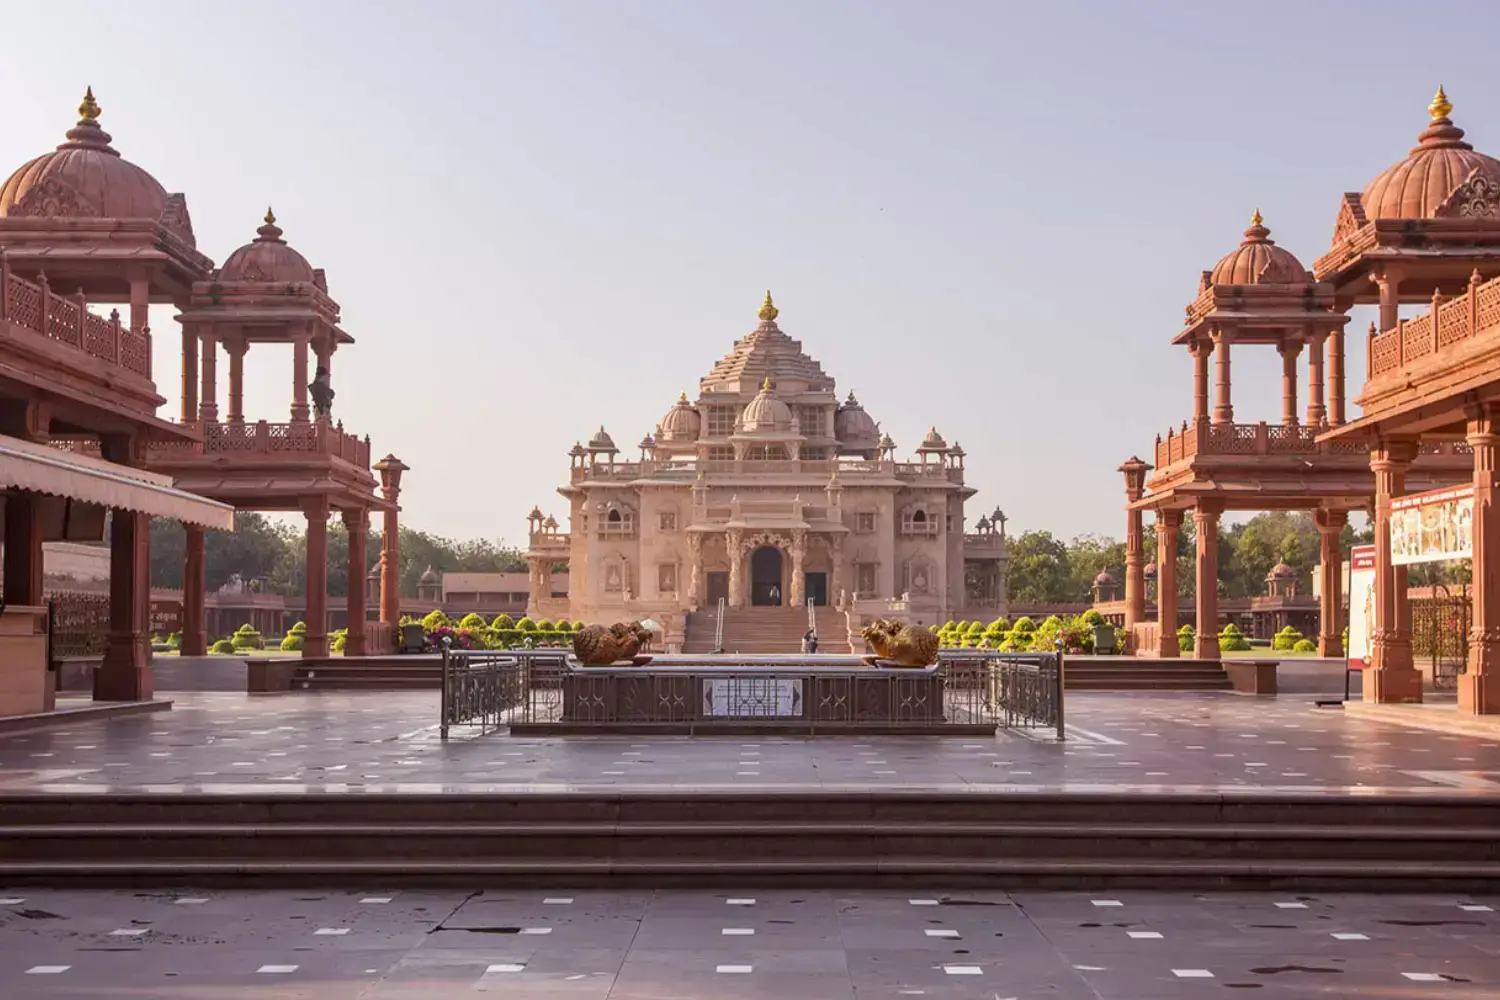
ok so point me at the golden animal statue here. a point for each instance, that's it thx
(901, 645)
(598, 646)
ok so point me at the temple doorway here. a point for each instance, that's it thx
(817, 589)
(718, 588)
(765, 577)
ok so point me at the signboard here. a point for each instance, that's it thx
(1361, 605)
(1433, 527)
(752, 697)
(166, 617)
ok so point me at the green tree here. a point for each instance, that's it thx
(1039, 570)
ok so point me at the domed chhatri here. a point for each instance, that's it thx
(1258, 261)
(766, 413)
(853, 426)
(267, 258)
(933, 442)
(85, 177)
(681, 424)
(601, 441)
(1423, 185)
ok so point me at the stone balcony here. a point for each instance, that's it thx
(984, 545)
(67, 320)
(1452, 340)
(291, 438)
(1265, 439)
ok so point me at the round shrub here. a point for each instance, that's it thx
(293, 643)
(471, 620)
(563, 625)
(503, 621)
(300, 628)
(1305, 646)
(526, 625)
(1091, 618)
(338, 640)
(1232, 640)
(1185, 637)
(223, 647)
(435, 620)
(545, 626)
(1287, 638)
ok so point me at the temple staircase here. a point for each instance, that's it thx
(766, 630)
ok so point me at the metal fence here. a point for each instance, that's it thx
(1440, 633)
(77, 624)
(540, 689)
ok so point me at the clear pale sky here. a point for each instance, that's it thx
(543, 216)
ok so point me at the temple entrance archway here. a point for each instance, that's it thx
(765, 577)
(817, 589)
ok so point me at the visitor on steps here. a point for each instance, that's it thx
(810, 641)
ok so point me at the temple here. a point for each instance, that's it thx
(768, 494)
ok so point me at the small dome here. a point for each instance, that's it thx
(1258, 261)
(681, 424)
(957, 451)
(84, 178)
(983, 525)
(550, 523)
(933, 441)
(266, 258)
(429, 575)
(1441, 161)
(766, 413)
(601, 441)
(1104, 579)
(647, 443)
(852, 425)
(1281, 571)
(577, 450)
(886, 444)
(535, 515)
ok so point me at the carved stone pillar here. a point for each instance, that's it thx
(1391, 677)
(799, 557)
(194, 630)
(125, 672)
(189, 375)
(1331, 624)
(1479, 684)
(23, 549)
(535, 580)
(695, 568)
(299, 376)
(1206, 641)
(734, 544)
(1289, 351)
(1388, 280)
(390, 468)
(1317, 410)
(358, 524)
(836, 574)
(1201, 351)
(316, 643)
(1336, 378)
(236, 350)
(1223, 409)
(208, 402)
(1167, 523)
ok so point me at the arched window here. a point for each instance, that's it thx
(920, 517)
(614, 517)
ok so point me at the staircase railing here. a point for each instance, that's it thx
(812, 614)
(719, 627)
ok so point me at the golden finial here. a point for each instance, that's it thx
(1255, 219)
(682, 397)
(766, 385)
(89, 109)
(1440, 107)
(768, 310)
(270, 216)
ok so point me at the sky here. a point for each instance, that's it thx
(541, 217)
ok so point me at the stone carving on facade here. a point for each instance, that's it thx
(1351, 218)
(53, 198)
(695, 567)
(1478, 197)
(175, 219)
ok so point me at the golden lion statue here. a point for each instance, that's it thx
(900, 644)
(597, 646)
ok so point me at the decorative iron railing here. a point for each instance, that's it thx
(487, 689)
(1022, 690)
(67, 320)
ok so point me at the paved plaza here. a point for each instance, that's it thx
(378, 944)
(388, 742)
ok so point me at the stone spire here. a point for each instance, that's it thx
(768, 311)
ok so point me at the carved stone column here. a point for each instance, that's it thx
(695, 568)
(1223, 409)
(125, 672)
(836, 574)
(1289, 352)
(734, 544)
(236, 350)
(1391, 677)
(194, 631)
(208, 402)
(189, 375)
(24, 558)
(1167, 523)
(358, 524)
(316, 643)
(799, 557)
(1206, 519)
(299, 375)
(1331, 625)
(1479, 684)
(1317, 410)
(535, 582)
(1388, 280)
(1201, 351)
(390, 468)
(1336, 378)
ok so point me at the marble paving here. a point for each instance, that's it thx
(377, 944)
(387, 742)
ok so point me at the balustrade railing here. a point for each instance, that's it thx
(67, 320)
(1266, 439)
(1461, 318)
(265, 438)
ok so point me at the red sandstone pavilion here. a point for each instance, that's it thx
(1426, 230)
(81, 224)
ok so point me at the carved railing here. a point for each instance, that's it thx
(67, 320)
(266, 438)
(1267, 439)
(679, 469)
(1461, 318)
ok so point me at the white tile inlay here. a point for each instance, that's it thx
(737, 931)
(1466, 907)
(536, 930)
(740, 902)
(1145, 935)
(1192, 974)
(1106, 902)
(129, 932)
(1291, 906)
(1350, 936)
(557, 900)
(503, 968)
(940, 932)
(963, 970)
(734, 969)
(376, 899)
(923, 902)
(331, 931)
(12, 900)
(47, 970)
(277, 969)
(1423, 977)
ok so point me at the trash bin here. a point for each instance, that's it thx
(1104, 639)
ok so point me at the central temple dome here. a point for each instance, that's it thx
(1258, 261)
(84, 178)
(266, 258)
(765, 413)
(1418, 186)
